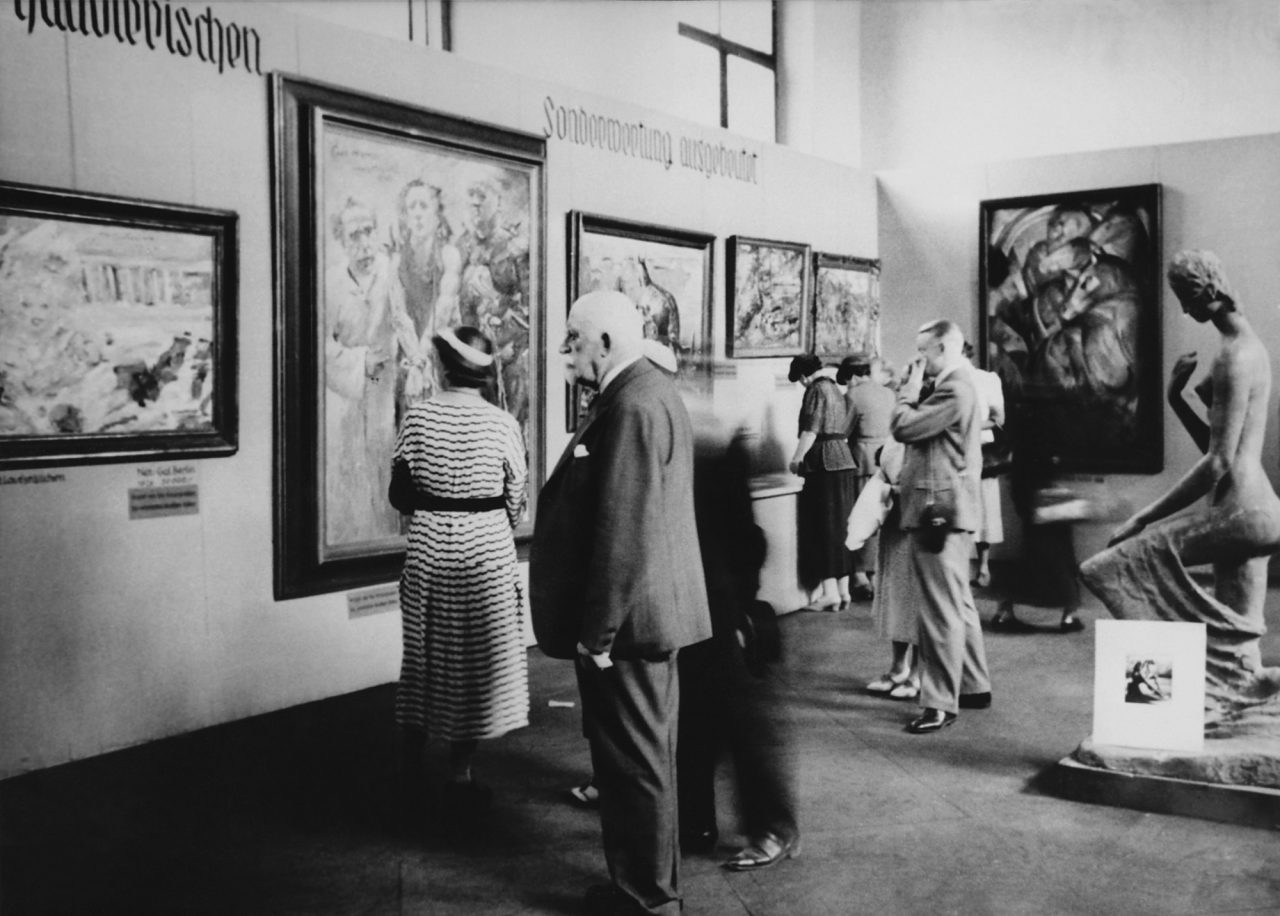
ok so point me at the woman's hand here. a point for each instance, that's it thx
(796, 467)
(1126, 531)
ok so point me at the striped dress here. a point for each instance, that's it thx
(464, 672)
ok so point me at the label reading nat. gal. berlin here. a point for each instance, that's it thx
(166, 489)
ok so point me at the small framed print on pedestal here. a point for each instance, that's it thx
(1148, 684)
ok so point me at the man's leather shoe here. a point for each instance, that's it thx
(931, 720)
(975, 700)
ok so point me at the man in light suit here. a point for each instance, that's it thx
(616, 583)
(941, 507)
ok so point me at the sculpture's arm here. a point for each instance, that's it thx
(1196, 428)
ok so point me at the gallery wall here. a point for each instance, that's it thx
(116, 631)
(1223, 195)
(981, 80)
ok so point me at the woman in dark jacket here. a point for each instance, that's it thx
(823, 458)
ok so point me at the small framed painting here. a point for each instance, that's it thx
(846, 305)
(665, 272)
(767, 295)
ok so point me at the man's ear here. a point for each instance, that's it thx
(605, 342)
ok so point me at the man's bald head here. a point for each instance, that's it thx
(604, 330)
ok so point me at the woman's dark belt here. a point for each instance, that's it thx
(430, 503)
(831, 437)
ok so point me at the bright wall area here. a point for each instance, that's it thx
(115, 632)
(1223, 195)
(979, 80)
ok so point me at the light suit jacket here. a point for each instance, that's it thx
(943, 439)
(615, 562)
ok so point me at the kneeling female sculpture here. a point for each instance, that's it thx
(1143, 573)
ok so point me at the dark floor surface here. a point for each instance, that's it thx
(298, 812)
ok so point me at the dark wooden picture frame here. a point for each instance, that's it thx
(666, 272)
(117, 329)
(1070, 292)
(846, 305)
(353, 177)
(768, 298)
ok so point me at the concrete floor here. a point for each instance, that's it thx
(297, 812)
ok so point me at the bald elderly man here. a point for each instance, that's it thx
(616, 584)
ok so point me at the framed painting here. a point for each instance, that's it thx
(117, 329)
(1069, 288)
(767, 295)
(391, 222)
(666, 272)
(846, 305)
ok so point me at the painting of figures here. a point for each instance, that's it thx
(846, 305)
(1070, 293)
(665, 272)
(114, 329)
(398, 223)
(768, 297)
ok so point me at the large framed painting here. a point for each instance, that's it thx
(846, 305)
(117, 329)
(666, 272)
(392, 222)
(1070, 308)
(767, 295)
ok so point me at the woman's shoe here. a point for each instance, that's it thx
(1071, 624)
(885, 684)
(907, 690)
(769, 850)
(824, 604)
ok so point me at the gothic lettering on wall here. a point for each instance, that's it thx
(576, 124)
(157, 25)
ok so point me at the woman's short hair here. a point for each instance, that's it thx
(466, 356)
(803, 366)
(859, 364)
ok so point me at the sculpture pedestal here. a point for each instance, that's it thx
(1234, 780)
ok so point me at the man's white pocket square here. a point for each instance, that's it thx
(580, 451)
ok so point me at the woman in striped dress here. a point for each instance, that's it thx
(460, 468)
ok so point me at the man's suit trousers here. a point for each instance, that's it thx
(953, 659)
(630, 715)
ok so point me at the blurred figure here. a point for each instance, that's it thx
(823, 459)
(459, 469)
(868, 403)
(724, 704)
(1045, 574)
